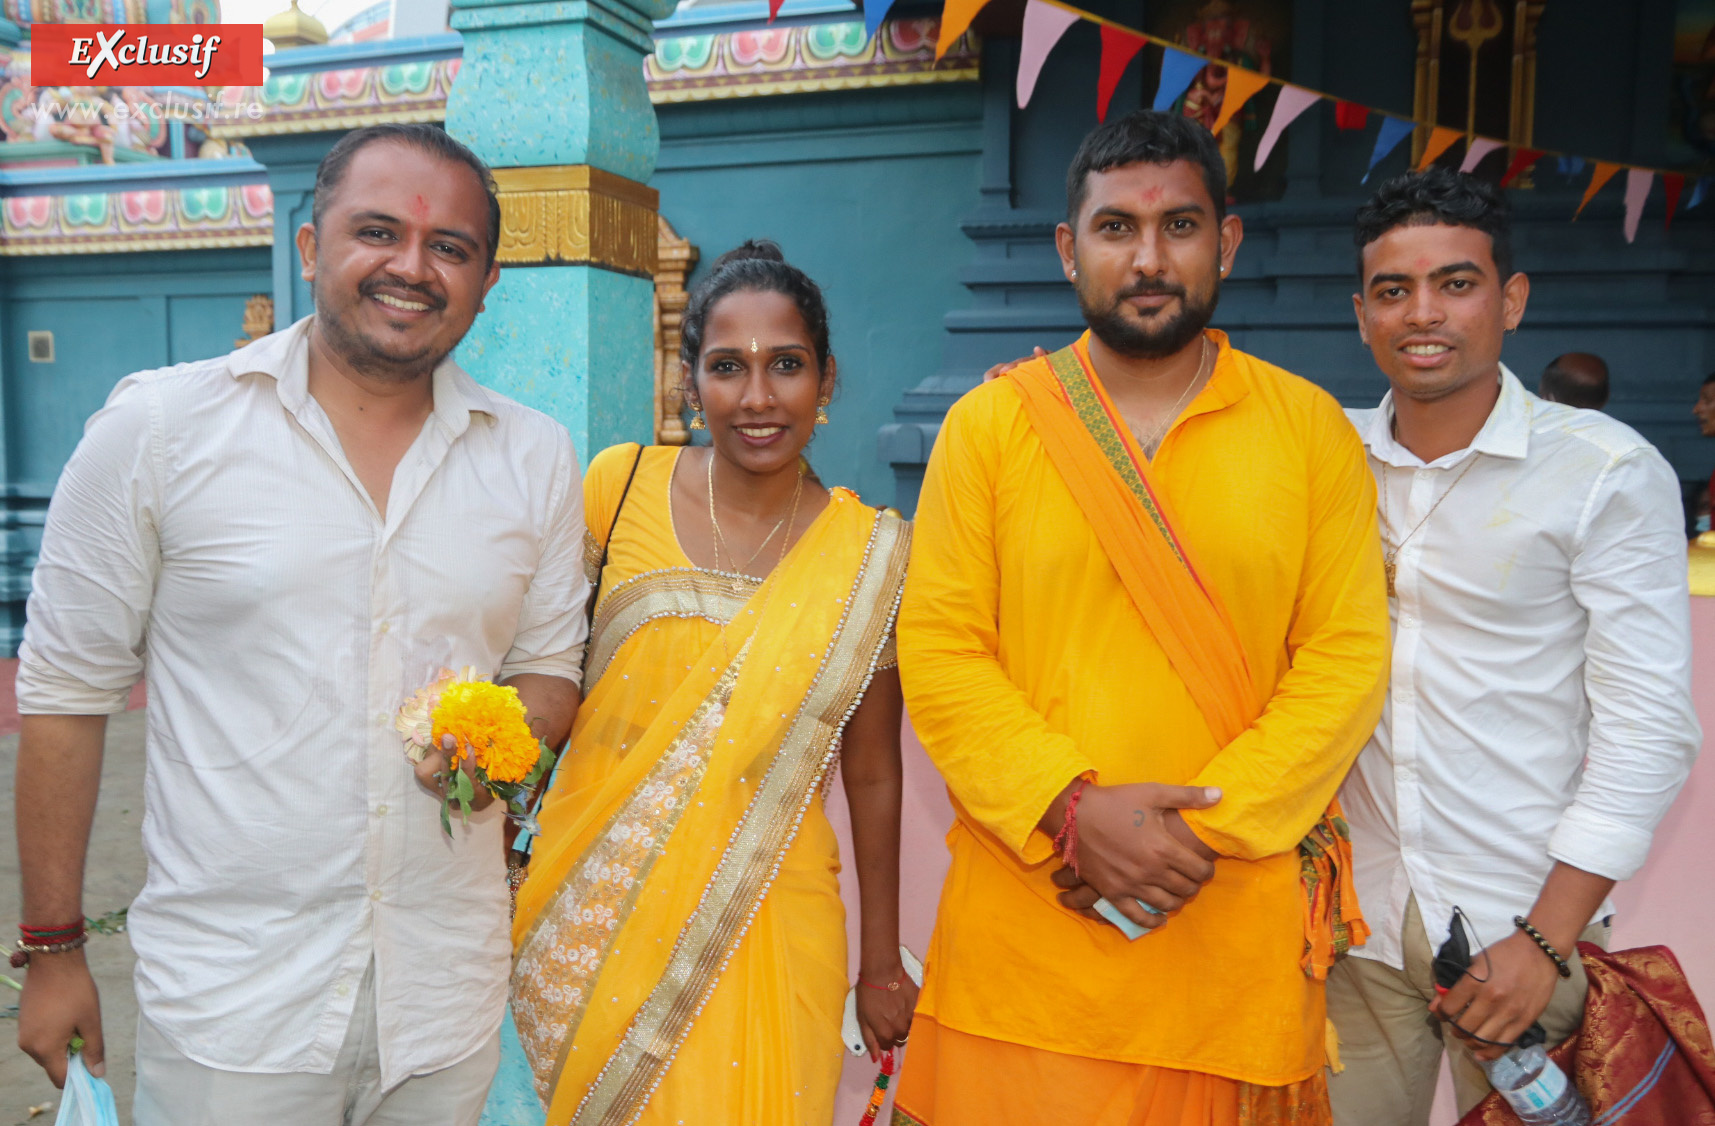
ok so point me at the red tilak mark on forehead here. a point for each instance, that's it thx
(419, 207)
(1150, 195)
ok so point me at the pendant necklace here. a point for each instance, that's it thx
(1390, 552)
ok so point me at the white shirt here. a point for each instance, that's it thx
(209, 529)
(1540, 702)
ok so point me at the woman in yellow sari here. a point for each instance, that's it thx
(680, 941)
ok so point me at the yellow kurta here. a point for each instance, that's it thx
(1025, 664)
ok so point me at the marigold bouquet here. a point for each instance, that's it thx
(487, 722)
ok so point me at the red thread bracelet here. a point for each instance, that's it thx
(1066, 840)
(890, 987)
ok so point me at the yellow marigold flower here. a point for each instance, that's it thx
(489, 718)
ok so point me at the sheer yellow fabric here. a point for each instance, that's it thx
(680, 938)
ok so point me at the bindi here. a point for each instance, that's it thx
(419, 208)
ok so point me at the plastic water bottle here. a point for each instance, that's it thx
(1535, 1087)
(1531, 1083)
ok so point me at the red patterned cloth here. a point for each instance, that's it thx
(1643, 1056)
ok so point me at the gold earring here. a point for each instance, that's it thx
(822, 411)
(697, 417)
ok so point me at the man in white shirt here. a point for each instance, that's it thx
(291, 540)
(1538, 722)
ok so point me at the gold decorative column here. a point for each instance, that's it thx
(675, 259)
(576, 215)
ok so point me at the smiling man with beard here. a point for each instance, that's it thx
(1143, 638)
(292, 539)
(1540, 719)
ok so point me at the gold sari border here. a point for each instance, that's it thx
(752, 859)
(672, 592)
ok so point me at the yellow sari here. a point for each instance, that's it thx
(680, 941)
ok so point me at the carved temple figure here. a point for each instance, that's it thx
(675, 259)
(1221, 34)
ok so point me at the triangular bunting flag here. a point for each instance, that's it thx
(874, 11)
(774, 9)
(1393, 131)
(1522, 159)
(1119, 48)
(1044, 24)
(1242, 84)
(1604, 172)
(1479, 148)
(1638, 182)
(1351, 115)
(1698, 192)
(956, 17)
(1293, 101)
(1440, 140)
(1673, 183)
(1177, 71)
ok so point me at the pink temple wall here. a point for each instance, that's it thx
(1671, 902)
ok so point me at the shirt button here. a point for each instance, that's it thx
(381, 810)
(381, 718)
(385, 626)
(342, 989)
(376, 894)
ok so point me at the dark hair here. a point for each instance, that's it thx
(1439, 195)
(756, 267)
(1708, 379)
(1146, 134)
(1578, 379)
(431, 139)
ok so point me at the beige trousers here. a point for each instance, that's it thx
(174, 1090)
(1390, 1045)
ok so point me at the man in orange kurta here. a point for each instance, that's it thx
(1146, 562)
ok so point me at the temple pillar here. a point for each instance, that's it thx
(552, 96)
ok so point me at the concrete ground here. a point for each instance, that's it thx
(115, 876)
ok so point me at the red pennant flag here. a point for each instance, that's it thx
(1522, 159)
(1351, 115)
(1674, 183)
(1119, 47)
(774, 9)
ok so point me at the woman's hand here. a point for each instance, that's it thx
(884, 1015)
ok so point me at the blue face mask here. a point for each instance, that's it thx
(1702, 524)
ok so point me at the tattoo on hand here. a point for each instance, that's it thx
(1138, 817)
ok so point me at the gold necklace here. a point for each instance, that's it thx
(720, 543)
(1173, 413)
(1391, 552)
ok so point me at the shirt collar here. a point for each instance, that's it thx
(1506, 432)
(1227, 381)
(285, 357)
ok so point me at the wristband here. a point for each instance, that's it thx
(1523, 924)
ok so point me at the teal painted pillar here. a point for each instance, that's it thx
(552, 95)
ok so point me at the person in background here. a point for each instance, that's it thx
(1112, 662)
(1539, 721)
(1578, 379)
(293, 539)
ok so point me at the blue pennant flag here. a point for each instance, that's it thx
(1569, 166)
(1698, 192)
(1393, 131)
(874, 11)
(1177, 71)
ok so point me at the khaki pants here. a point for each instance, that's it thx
(174, 1090)
(1390, 1045)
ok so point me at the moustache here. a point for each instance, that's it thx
(419, 292)
(1150, 289)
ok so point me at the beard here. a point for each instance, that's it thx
(1152, 341)
(368, 354)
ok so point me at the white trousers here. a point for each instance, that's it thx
(174, 1090)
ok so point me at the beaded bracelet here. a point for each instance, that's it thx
(1523, 924)
(21, 953)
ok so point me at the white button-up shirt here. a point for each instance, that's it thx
(210, 530)
(1540, 702)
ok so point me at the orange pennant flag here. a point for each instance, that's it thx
(1241, 85)
(1440, 140)
(956, 17)
(1604, 172)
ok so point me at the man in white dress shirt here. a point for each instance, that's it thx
(291, 540)
(1539, 720)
